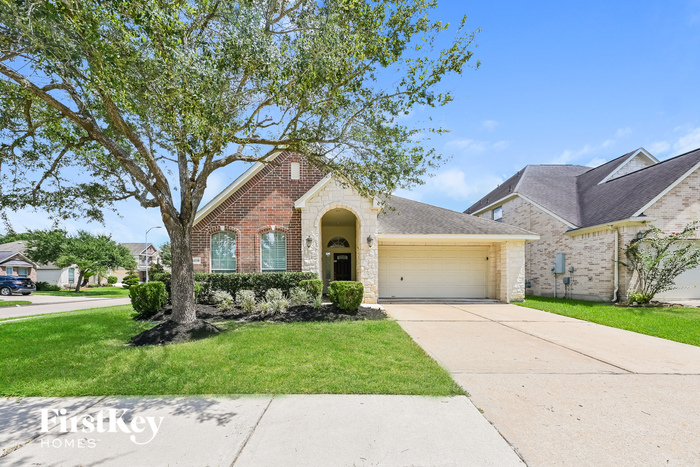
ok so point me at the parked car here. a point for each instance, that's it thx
(14, 284)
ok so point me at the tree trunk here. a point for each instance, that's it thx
(80, 280)
(182, 276)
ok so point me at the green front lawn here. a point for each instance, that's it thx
(110, 292)
(680, 324)
(14, 302)
(84, 353)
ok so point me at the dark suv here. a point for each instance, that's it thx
(14, 284)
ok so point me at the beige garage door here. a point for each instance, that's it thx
(690, 281)
(432, 272)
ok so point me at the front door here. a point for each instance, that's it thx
(341, 267)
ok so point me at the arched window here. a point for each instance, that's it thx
(273, 251)
(223, 252)
(338, 242)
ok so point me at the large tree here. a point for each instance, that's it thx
(91, 254)
(105, 100)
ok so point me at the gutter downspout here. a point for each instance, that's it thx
(616, 278)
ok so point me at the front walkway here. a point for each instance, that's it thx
(313, 430)
(564, 391)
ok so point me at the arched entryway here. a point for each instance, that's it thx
(338, 246)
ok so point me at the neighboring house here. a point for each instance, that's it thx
(288, 216)
(144, 254)
(50, 273)
(14, 263)
(591, 214)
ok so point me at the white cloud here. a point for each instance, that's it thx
(622, 132)
(688, 142)
(596, 161)
(454, 184)
(568, 156)
(658, 147)
(489, 125)
(474, 146)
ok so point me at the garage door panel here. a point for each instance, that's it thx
(432, 272)
(690, 283)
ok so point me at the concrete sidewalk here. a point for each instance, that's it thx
(313, 430)
(43, 304)
(564, 391)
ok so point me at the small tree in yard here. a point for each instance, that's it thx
(92, 254)
(658, 259)
(102, 101)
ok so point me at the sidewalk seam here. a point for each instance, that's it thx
(245, 443)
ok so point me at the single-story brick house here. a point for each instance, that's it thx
(591, 214)
(288, 216)
(14, 263)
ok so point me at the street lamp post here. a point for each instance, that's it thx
(157, 227)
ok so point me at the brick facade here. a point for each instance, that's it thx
(592, 254)
(31, 271)
(265, 202)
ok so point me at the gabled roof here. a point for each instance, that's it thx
(137, 248)
(586, 197)
(408, 217)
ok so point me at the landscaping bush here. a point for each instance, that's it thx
(299, 296)
(346, 294)
(245, 299)
(112, 280)
(258, 282)
(132, 280)
(313, 287)
(223, 300)
(275, 300)
(148, 299)
(46, 287)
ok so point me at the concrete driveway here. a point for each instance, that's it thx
(564, 391)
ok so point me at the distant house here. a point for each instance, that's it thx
(144, 254)
(587, 216)
(14, 263)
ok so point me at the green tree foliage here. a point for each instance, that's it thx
(658, 259)
(166, 256)
(92, 254)
(13, 237)
(102, 101)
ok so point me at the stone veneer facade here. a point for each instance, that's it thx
(592, 254)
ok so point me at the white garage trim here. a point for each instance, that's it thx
(433, 271)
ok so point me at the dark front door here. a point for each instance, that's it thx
(341, 267)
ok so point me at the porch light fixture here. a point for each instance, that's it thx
(640, 235)
(370, 241)
(309, 241)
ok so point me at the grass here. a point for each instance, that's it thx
(680, 324)
(14, 302)
(111, 292)
(84, 353)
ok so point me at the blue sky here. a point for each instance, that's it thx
(560, 82)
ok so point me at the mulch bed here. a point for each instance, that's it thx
(169, 332)
(293, 314)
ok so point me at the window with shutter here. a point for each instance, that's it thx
(273, 246)
(223, 252)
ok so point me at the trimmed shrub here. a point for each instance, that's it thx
(112, 280)
(313, 287)
(275, 300)
(132, 280)
(223, 300)
(245, 299)
(298, 296)
(46, 287)
(258, 282)
(346, 294)
(148, 299)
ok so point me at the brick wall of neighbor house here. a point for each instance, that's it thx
(591, 255)
(31, 273)
(639, 162)
(672, 213)
(265, 200)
